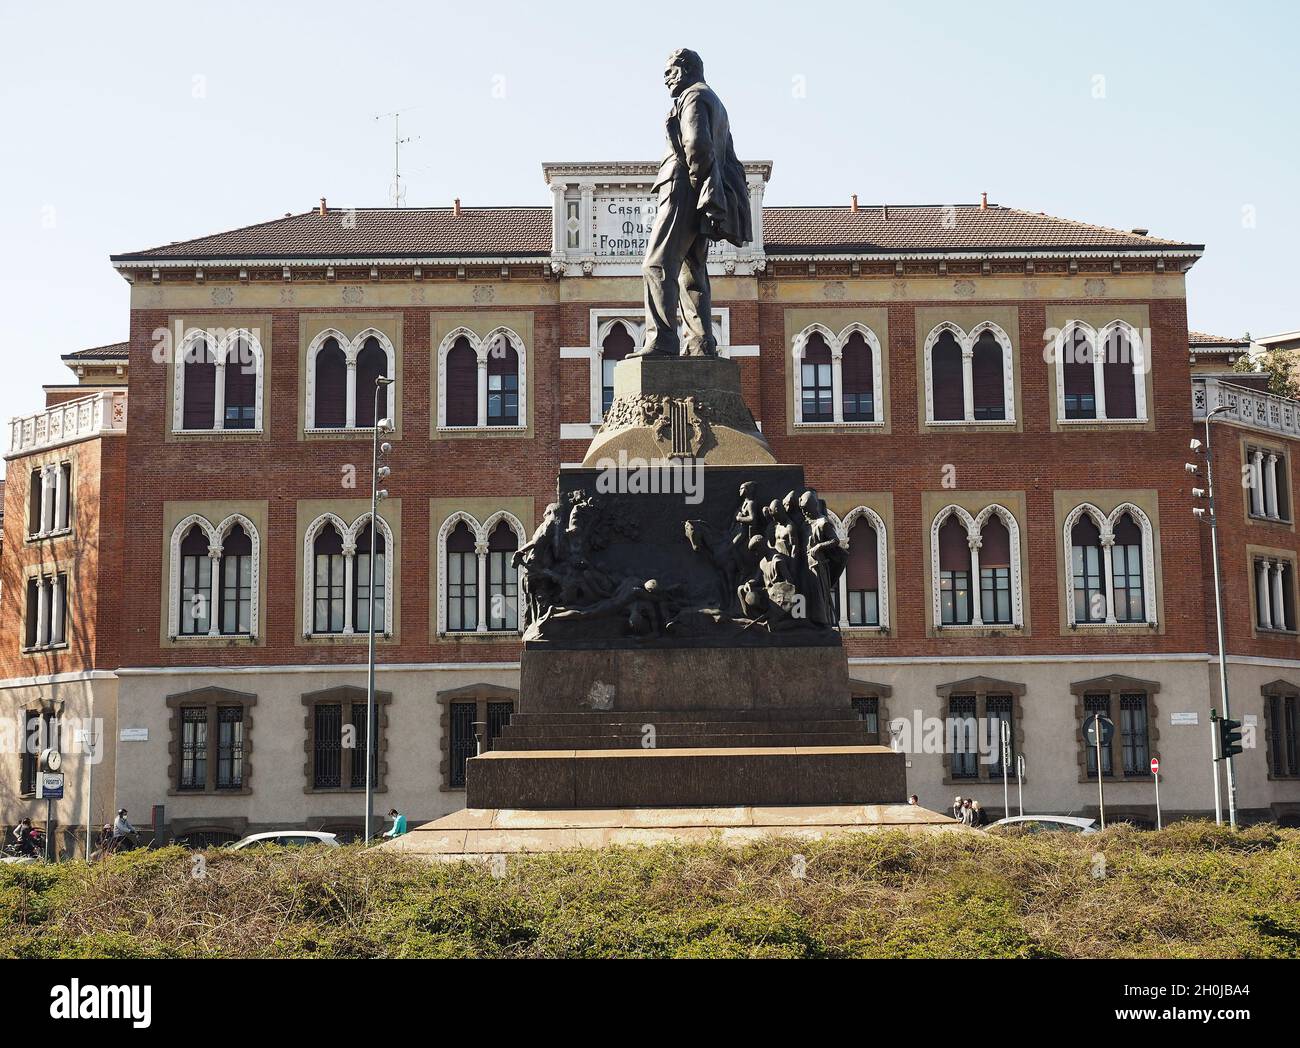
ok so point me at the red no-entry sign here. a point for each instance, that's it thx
(1155, 765)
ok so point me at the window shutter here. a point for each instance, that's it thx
(863, 565)
(331, 386)
(462, 384)
(200, 381)
(856, 367)
(946, 377)
(372, 362)
(987, 378)
(995, 545)
(954, 547)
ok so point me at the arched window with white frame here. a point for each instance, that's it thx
(969, 376)
(217, 381)
(864, 584)
(341, 373)
(337, 564)
(837, 376)
(616, 344)
(1100, 374)
(478, 581)
(482, 382)
(215, 573)
(1110, 576)
(975, 568)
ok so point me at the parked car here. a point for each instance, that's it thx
(1048, 824)
(287, 839)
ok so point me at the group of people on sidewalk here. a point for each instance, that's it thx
(968, 812)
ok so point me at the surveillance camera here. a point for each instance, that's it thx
(385, 448)
(1198, 493)
(1191, 468)
(383, 472)
(1195, 445)
(1198, 512)
(381, 494)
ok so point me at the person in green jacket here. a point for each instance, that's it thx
(399, 823)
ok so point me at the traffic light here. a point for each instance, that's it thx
(1229, 738)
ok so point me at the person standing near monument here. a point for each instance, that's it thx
(703, 196)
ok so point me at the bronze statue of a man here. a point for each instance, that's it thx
(703, 197)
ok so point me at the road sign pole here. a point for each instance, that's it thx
(1101, 793)
(1020, 782)
(1155, 772)
(1006, 767)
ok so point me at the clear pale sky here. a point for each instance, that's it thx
(129, 125)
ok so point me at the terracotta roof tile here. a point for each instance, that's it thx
(374, 233)
(110, 352)
(1203, 341)
(937, 227)
(526, 231)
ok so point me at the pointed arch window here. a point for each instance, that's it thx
(995, 573)
(462, 384)
(862, 575)
(616, 346)
(502, 384)
(331, 386)
(954, 574)
(818, 386)
(1101, 375)
(462, 579)
(503, 579)
(330, 583)
(369, 544)
(859, 394)
(947, 379)
(241, 386)
(372, 363)
(1127, 571)
(989, 389)
(236, 612)
(199, 385)
(1111, 575)
(196, 583)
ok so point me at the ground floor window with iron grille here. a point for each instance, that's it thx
(867, 707)
(339, 746)
(209, 740)
(963, 737)
(492, 716)
(1128, 754)
(1283, 712)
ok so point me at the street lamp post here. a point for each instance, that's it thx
(377, 473)
(1202, 512)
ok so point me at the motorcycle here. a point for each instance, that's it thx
(34, 850)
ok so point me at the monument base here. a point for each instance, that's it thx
(686, 777)
(478, 833)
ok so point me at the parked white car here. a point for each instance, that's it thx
(287, 839)
(1049, 823)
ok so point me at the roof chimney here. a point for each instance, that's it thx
(455, 207)
(323, 209)
(884, 212)
(984, 201)
(854, 205)
(1142, 232)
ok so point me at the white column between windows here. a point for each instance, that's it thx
(1279, 601)
(219, 397)
(351, 411)
(837, 381)
(42, 612)
(1108, 570)
(480, 551)
(349, 584)
(1257, 482)
(1262, 594)
(214, 558)
(1270, 486)
(844, 599)
(60, 498)
(968, 381)
(47, 499)
(976, 583)
(56, 608)
(1099, 377)
(482, 392)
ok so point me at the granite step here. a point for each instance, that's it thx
(601, 726)
(713, 713)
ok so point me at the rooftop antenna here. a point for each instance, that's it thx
(395, 191)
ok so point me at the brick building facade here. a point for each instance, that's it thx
(1019, 521)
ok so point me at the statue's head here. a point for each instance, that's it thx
(810, 504)
(747, 490)
(684, 68)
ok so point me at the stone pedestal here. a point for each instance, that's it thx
(679, 407)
